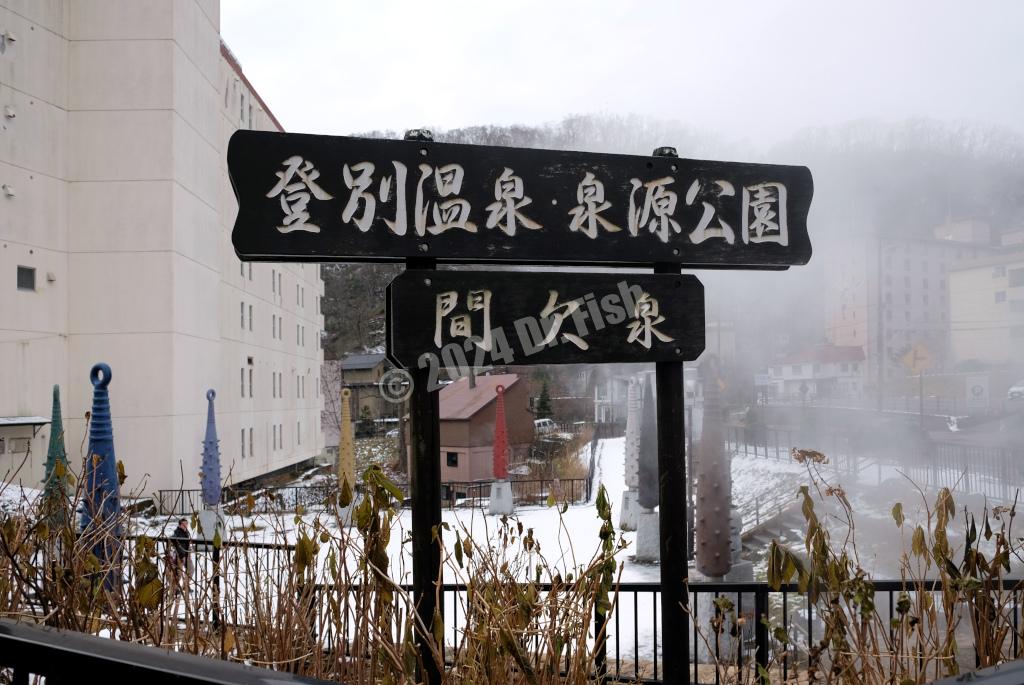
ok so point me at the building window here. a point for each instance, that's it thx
(297, 334)
(273, 281)
(303, 343)
(296, 294)
(275, 437)
(1016, 277)
(250, 442)
(906, 315)
(243, 443)
(280, 288)
(241, 307)
(452, 459)
(797, 369)
(1000, 296)
(242, 268)
(298, 432)
(243, 381)
(845, 368)
(250, 271)
(250, 317)
(241, 108)
(999, 272)
(250, 381)
(856, 367)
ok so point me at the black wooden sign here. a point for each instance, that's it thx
(461, 319)
(329, 198)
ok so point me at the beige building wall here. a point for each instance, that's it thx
(987, 310)
(122, 203)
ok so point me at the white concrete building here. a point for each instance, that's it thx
(820, 372)
(987, 310)
(115, 220)
(886, 294)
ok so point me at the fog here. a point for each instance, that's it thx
(897, 349)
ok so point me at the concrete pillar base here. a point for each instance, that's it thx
(501, 499)
(210, 523)
(741, 572)
(630, 506)
(648, 536)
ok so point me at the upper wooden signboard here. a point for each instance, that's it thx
(330, 198)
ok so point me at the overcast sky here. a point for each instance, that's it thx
(751, 71)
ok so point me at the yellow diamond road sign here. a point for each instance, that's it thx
(917, 359)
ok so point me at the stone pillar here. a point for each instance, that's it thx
(648, 531)
(714, 482)
(631, 467)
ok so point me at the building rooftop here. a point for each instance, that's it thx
(1006, 255)
(460, 402)
(354, 362)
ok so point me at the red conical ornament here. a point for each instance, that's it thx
(500, 436)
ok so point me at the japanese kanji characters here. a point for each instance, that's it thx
(764, 214)
(295, 185)
(655, 213)
(509, 198)
(554, 314)
(451, 213)
(358, 183)
(586, 216)
(434, 204)
(461, 325)
(704, 228)
(646, 317)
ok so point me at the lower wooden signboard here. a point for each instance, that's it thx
(462, 319)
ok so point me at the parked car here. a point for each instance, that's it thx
(393, 433)
(1016, 392)
(544, 426)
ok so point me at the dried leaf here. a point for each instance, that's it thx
(897, 514)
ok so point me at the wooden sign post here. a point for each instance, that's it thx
(325, 198)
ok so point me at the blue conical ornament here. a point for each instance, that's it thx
(210, 473)
(55, 478)
(102, 488)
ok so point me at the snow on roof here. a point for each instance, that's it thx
(361, 361)
(23, 421)
(827, 354)
(460, 402)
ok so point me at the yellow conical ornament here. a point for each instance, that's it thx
(346, 444)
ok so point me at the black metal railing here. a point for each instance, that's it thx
(28, 651)
(524, 491)
(626, 643)
(629, 646)
(263, 500)
(994, 471)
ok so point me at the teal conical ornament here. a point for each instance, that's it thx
(56, 478)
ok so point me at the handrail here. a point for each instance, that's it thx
(66, 656)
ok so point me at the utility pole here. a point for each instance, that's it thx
(880, 342)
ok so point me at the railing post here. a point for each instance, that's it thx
(761, 632)
(600, 645)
